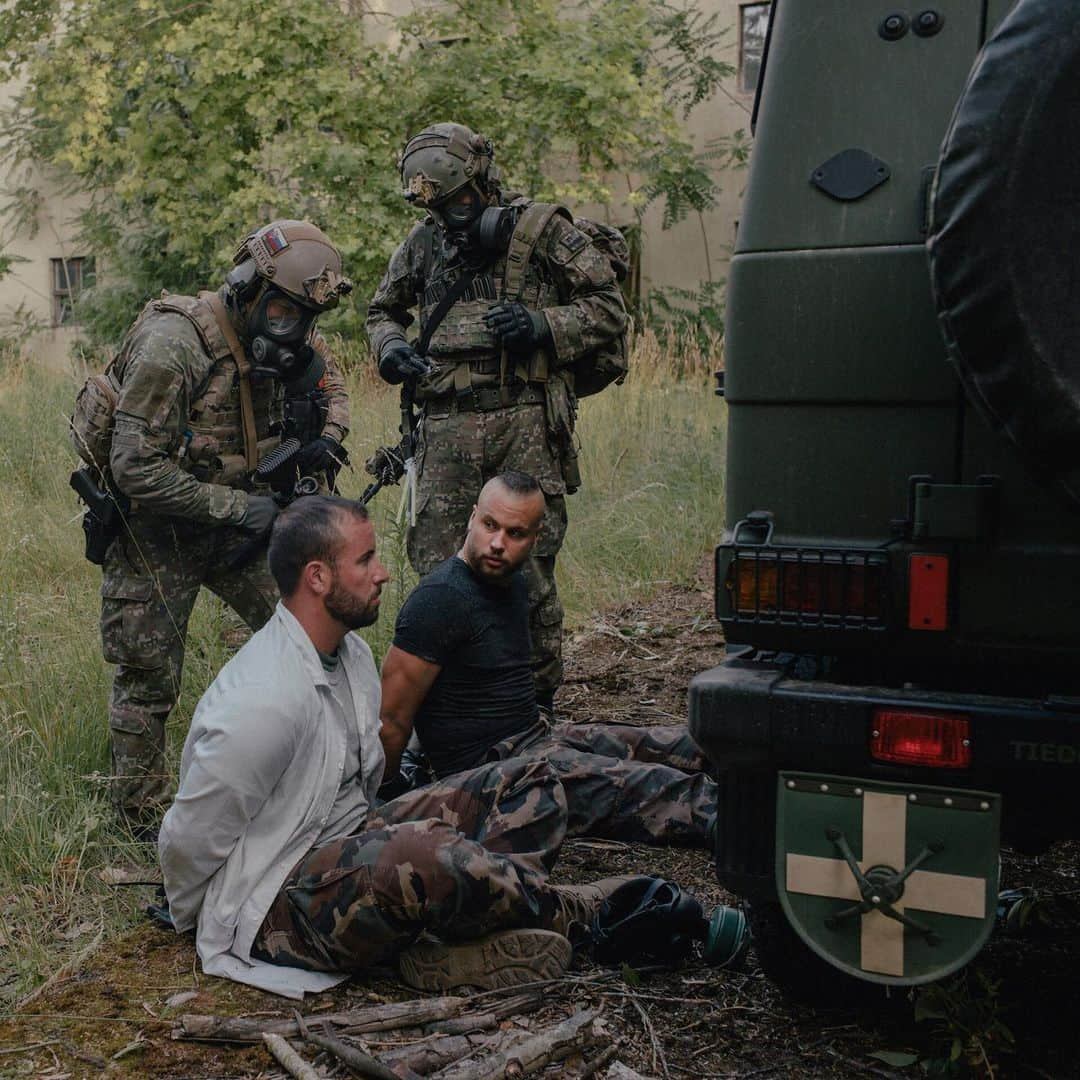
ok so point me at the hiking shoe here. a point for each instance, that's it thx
(501, 960)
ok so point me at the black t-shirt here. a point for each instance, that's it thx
(478, 633)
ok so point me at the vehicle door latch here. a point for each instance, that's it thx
(950, 511)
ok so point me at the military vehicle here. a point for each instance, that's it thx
(899, 573)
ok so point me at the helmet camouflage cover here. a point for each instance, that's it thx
(440, 160)
(299, 259)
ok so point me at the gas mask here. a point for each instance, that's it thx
(487, 234)
(457, 213)
(278, 329)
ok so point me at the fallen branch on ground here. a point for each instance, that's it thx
(533, 1052)
(591, 1068)
(288, 1058)
(356, 1059)
(428, 1056)
(483, 1021)
(399, 1014)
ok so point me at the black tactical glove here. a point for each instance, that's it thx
(401, 361)
(260, 514)
(516, 326)
(320, 455)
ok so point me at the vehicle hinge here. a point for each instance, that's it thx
(950, 511)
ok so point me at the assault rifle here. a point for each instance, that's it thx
(303, 419)
(103, 520)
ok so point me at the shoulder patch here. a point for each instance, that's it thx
(571, 242)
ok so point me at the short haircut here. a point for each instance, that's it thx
(308, 530)
(518, 482)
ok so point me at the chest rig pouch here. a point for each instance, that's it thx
(229, 419)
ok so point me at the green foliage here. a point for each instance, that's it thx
(968, 1025)
(676, 313)
(188, 123)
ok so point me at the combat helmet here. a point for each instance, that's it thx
(284, 275)
(441, 160)
(295, 257)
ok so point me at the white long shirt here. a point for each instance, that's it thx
(262, 765)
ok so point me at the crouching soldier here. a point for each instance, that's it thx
(174, 429)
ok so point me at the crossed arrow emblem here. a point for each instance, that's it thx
(883, 886)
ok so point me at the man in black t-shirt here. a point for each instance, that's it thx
(458, 673)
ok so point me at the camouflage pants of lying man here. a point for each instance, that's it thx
(644, 785)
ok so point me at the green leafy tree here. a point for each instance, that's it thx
(187, 123)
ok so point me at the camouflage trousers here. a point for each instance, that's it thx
(152, 576)
(641, 784)
(460, 452)
(460, 859)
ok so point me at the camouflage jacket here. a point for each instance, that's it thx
(177, 445)
(567, 278)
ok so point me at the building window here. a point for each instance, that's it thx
(753, 22)
(69, 278)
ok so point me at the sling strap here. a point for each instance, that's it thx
(527, 232)
(453, 295)
(247, 407)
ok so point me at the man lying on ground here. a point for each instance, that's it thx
(274, 847)
(458, 672)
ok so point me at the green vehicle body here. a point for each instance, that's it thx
(851, 441)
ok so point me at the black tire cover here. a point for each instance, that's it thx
(1005, 240)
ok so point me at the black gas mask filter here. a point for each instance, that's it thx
(488, 234)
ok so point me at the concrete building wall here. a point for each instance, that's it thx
(697, 249)
(27, 294)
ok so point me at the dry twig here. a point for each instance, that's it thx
(289, 1059)
(354, 1058)
(591, 1068)
(531, 1053)
(398, 1014)
(657, 1049)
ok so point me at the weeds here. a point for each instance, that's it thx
(969, 1028)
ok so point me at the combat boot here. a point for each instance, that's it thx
(498, 961)
(578, 906)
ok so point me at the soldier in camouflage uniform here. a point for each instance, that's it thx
(182, 450)
(485, 383)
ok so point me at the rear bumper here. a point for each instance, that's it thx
(753, 720)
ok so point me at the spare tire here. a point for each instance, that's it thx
(1005, 236)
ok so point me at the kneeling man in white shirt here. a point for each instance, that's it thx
(275, 850)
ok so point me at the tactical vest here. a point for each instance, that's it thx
(463, 338)
(214, 451)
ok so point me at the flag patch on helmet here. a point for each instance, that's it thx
(274, 239)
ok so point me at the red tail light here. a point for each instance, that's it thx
(940, 740)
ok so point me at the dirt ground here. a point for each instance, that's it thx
(111, 1015)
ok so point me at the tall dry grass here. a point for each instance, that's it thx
(649, 511)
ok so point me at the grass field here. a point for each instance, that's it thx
(649, 511)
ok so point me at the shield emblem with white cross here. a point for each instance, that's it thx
(893, 883)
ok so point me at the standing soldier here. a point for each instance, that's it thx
(189, 424)
(510, 296)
